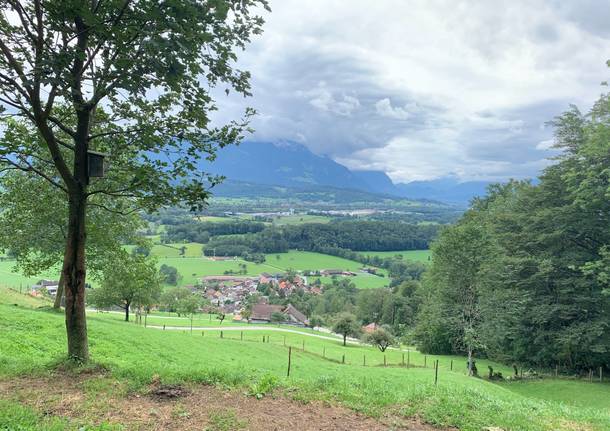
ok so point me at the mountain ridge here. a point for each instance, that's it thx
(294, 165)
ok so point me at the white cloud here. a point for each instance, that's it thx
(385, 109)
(391, 85)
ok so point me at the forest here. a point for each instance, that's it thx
(337, 238)
(524, 276)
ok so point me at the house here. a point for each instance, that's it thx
(49, 285)
(224, 278)
(369, 270)
(330, 272)
(261, 313)
(295, 317)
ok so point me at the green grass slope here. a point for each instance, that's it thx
(33, 341)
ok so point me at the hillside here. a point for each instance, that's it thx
(139, 361)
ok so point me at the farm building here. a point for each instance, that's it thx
(51, 286)
(261, 313)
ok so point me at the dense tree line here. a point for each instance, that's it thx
(524, 275)
(361, 235)
(267, 241)
(194, 231)
(340, 238)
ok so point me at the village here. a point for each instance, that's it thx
(229, 294)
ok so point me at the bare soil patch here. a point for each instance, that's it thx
(95, 399)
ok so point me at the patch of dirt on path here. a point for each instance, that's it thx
(96, 399)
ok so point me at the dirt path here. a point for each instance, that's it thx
(100, 398)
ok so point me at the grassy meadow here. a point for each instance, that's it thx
(413, 255)
(33, 343)
(191, 268)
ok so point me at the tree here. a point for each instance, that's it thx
(523, 276)
(346, 325)
(171, 298)
(246, 314)
(277, 317)
(189, 305)
(380, 337)
(130, 281)
(36, 236)
(454, 284)
(220, 316)
(131, 80)
(170, 274)
(315, 321)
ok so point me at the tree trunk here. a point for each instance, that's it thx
(60, 292)
(470, 373)
(74, 273)
(344, 339)
(127, 312)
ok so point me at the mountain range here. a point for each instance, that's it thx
(294, 165)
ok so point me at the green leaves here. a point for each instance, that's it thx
(536, 258)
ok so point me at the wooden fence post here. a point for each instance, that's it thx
(343, 359)
(408, 358)
(436, 373)
(364, 360)
(403, 359)
(425, 361)
(221, 334)
(164, 327)
(241, 336)
(289, 358)
(600, 375)
(451, 368)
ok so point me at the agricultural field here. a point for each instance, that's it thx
(12, 296)
(300, 219)
(137, 360)
(191, 249)
(213, 219)
(11, 278)
(193, 268)
(413, 255)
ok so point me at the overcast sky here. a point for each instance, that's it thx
(425, 89)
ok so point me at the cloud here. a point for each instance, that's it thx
(323, 99)
(385, 109)
(423, 89)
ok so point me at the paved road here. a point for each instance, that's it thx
(250, 328)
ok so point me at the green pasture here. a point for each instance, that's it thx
(33, 342)
(193, 268)
(300, 219)
(9, 277)
(414, 255)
